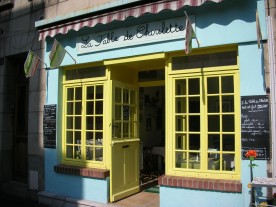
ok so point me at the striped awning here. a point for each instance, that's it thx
(119, 15)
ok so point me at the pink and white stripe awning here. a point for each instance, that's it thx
(119, 15)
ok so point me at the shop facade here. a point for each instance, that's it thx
(126, 91)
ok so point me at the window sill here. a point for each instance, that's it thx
(234, 186)
(82, 171)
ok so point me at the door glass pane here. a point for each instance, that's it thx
(78, 122)
(99, 123)
(77, 137)
(69, 137)
(70, 108)
(99, 107)
(118, 95)
(125, 96)
(69, 122)
(213, 85)
(78, 108)
(90, 107)
(69, 152)
(89, 123)
(213, 142)
(118, 112)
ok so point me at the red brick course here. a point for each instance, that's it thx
(234, 186)
(82, 171)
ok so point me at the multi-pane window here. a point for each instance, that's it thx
(83, 120)
(205, 107)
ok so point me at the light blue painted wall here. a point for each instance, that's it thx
(214, 26)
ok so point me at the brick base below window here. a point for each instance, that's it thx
(82, 171)
(234, 186)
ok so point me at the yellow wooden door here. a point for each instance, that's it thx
(124, 179)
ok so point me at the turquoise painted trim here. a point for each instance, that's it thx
(52, 87)
(179, 197)
(252, 77)
(90, 10)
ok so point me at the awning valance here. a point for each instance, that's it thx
(119, 15)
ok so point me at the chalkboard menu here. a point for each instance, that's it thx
(49, 126)
(255, 125)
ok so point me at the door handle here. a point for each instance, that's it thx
(125, 146)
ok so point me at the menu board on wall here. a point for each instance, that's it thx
(49, 126)
(255, 125)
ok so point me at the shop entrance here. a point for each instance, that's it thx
(137, 125)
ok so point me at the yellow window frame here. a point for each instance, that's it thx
(170, 125)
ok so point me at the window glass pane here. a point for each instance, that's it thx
(181, 160)
(70, 94)
(227, 83)
(78, 95)
(228, 103)
(91, 72)
(69, 122)
(213, 104)
(78, 108)
(99, 123)
(194, 123)
(90, 107)
(69, 137)
(213, 143)
(99, 92)
(69, 152)
(99, 154)
(194, 142)
(194, 105)
(89, 136)
(78, 153)
(228, 123)
(213, 85)
(70, 108)
(181, 123)
(77, 137)
(180, 87)
(180, 105)
(194, 86)
(204, 60)
(99, 107)
(228, 162)
(180, 142)
(228, 142)
(89, 153)
(213, 123)
(89, 123)
(90, 92)
(214, 164)
(78, 122)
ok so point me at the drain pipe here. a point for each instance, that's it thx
(271, 55)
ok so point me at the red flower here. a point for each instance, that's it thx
(251, 153)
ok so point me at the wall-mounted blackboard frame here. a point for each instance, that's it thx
(255, 125)
(49, 126)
